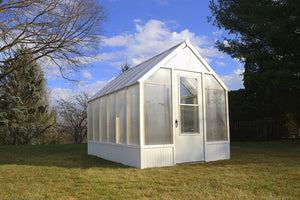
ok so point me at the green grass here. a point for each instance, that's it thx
(265, 170)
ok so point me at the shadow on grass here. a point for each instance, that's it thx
(67, 156)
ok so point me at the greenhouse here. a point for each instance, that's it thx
(170, 109)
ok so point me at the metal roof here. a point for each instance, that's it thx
(138, 73)
(132, 75)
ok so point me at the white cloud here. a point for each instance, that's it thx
(234, 80)
(65, 93)
(86, 74)
(50, 69)
(60, 93)
(84, 60)
(147, 40)
(226, 43)
(94, 87)
(208, 60)
(51, 73)
(152, 38)
(137, 20)
(210, 52)
(116, 64)
(216, 33)
(119, 40)
(220, 63)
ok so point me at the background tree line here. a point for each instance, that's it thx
(265, 36)
(56, 31)
(26, 116)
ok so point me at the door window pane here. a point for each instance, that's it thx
(189, 119)
(188, 90)
(189, 108)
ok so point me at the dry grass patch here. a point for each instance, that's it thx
(268, 170)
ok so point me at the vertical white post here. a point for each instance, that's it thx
(128, 126)
(204, 114)
(88, 118)
(107, 115)
(141, 117)
(142, 113)
(100, 120)
(173, 88)
(227, 116)
(117, 118)
(93, 120)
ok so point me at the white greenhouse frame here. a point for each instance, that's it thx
(188, 96)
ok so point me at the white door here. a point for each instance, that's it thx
(188, 117)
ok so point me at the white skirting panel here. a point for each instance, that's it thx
(157, 156)
(127, 155)
(217, 151)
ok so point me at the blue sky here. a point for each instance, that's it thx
(140, 29)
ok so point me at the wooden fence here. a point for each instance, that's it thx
(263, 129)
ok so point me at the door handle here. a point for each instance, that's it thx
(176, 123)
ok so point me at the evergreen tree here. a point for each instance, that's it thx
(125, 66)
(24, 109)
(265, 35)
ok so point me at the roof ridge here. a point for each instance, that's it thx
(123, 76)
(157, 55)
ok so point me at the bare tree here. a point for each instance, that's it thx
(59, 30)
(72, 116)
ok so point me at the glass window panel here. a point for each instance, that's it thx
(215, 115)
(112, 118)
(160, 76)
(103, 123)
(96, 120)
(211, 82)
(157, 114)
(188, 90)
(90, 121)
(121, 117)
(133, 113)
(189, 119)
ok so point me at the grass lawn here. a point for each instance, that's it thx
(260, 170)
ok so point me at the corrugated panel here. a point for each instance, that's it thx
(217, 151)
(157, 157)
(127, 155)
(131, 76)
